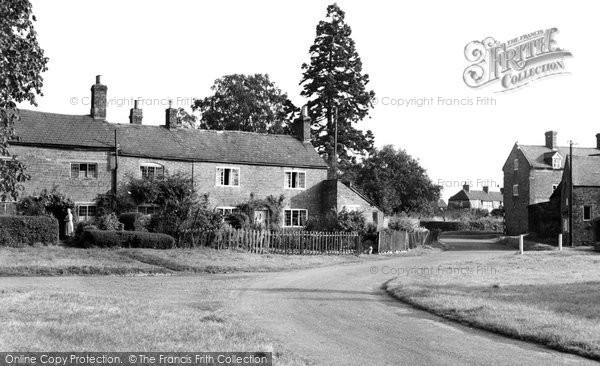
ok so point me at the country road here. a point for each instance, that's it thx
(341, 316)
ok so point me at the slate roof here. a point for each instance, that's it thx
(463, 195)
(537, 155)
(587, 171)
(69, 131)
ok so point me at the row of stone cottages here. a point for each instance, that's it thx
(76, 153)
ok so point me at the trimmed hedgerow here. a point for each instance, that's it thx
(126, 239)
(16, 231)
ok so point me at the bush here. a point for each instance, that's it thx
(343, 221)
(400, 223)
(28, 230)
(108, 222)
(484, 224)
(126, 239)
(238, 220)
(128, 219)
(83, 226)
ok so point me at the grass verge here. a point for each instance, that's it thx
(160, 314)
(548, 297)
(60, 260)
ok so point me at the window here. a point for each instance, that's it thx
(224, 211)
(86, 212)
(516, 164)
(350, 208)
(515, 190)
(587, 213)
(148, 209)
(556, 162)
(228, 177)
(295, 180)
(152, 170)
(84, 170)
(295, 218)
(554, 186)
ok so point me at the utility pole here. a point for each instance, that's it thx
(335, 143)
(571, 192)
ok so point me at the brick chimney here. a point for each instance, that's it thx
(303, 126)
(171, 120)
(551, 140)
(135, 114)
(486, 189)
(466, 187)
(98, 109)
(598, 141)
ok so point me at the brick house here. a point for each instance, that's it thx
(531, 174)
(77, 154)
(586, 200)
(468, 198)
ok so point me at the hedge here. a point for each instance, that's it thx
(473, 225)
(128, 219)
(17, 231)
(126, 239)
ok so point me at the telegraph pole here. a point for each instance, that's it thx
(335, 143)
(571, 192)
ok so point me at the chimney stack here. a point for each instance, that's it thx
(551, 140)
(171, 120)
(486, 189)
(98, 109)
(135, 114)
(466, 187)
(303, 126)
(598, 141)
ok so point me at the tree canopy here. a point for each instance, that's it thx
(21, 63)
(246, 103)
(395, 181)
(335, 85)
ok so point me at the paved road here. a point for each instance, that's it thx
(340, 316)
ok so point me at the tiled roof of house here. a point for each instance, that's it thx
(587, 171)
(537, 155)
(490, 196)
(50, 129)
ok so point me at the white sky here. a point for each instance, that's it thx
(177, 49)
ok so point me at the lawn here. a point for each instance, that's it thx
(175, 313)
(550, 297)
(60, 260)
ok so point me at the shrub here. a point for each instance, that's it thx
(141, 223)
(108, 222)
(46, 203)
(343, 221)
(238, 220)
(403, 224)
(126, 239)
(484, 224)
(28, 230)
(326, 222)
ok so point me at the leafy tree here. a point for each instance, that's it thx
(246, 103)
(51, 203)
(21, 63)
(395, 181)
(334, 81)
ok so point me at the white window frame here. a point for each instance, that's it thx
(516, 164)
(155, 167)
(590, 216)
(220, 176)
(225, 210)
(287, 182)
(515, 190)
(87, 205)
(556, 163)
(351, 208)
(87, 171)
(291, 211)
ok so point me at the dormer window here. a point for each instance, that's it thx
(556, 162)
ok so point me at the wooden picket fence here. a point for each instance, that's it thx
(395, 241)
(280, 242)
